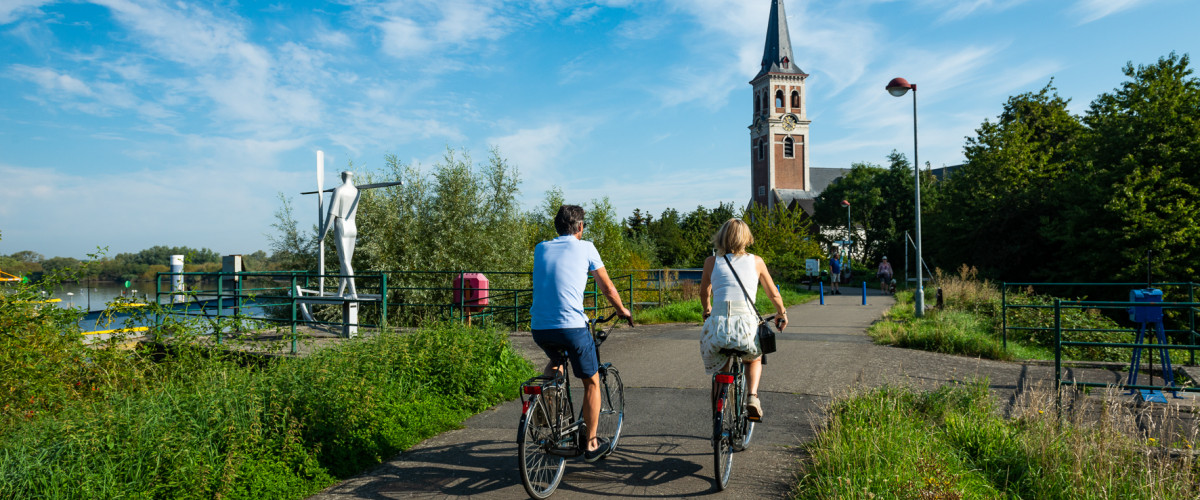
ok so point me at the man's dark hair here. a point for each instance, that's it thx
(568, 219)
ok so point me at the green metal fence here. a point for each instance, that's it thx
(408, 297)
(1186, 326)
(1060, 343)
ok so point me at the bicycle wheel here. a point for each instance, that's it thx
(612, 407)
(541, 471)
(723, 418)
(746, 427)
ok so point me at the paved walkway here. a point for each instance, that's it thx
(665, 448)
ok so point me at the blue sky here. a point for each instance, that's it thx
(132, 123)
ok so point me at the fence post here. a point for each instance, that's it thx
(220, 303)
(660, 287)
(1192, 322)
(383, 292)
(630, 296)
(1004, 315)
(294, 295)
(1058, 356)
(821, 290)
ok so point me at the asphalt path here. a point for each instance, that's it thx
(665, 449)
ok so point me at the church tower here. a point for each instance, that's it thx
(779, 128)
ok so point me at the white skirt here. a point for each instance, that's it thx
(732, 325)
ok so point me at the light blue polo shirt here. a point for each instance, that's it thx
(560, 274)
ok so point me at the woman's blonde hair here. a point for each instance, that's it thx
(733, 237)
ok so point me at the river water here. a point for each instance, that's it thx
(94, 296)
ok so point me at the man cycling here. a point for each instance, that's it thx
(560, 270)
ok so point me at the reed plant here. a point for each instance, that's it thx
(953, 443)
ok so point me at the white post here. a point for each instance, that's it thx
(320, 222)
(177, 278)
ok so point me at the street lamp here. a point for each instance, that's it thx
(846, 203)
(898, 87)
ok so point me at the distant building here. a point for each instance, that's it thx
(779, 166)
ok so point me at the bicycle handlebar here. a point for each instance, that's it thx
(606, 319)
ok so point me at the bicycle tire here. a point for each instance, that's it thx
(541, 471)
(612, 407)
(723, 417)
(744, 425)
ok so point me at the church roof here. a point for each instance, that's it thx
(821, 178)
(777, 54)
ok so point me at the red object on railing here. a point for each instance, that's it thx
(471, 291)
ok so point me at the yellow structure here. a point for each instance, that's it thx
(6, 278)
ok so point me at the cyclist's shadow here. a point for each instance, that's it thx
(640, 466)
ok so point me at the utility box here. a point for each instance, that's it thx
(1146, 314)
(471, 291)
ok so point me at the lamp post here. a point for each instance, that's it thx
(846, 203)
(898, 87)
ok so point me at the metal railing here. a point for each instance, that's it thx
(1059, 342)
(1006, 306)
(409, 297)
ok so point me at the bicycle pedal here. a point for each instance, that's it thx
(754, 419)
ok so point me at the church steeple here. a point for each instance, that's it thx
(777, 53)
(779, 130)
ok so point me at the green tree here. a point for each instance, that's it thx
(783, 238)
(995, 210)
(291, 249)
(669, 238)
(1141, 190)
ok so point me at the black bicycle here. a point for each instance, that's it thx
(732, 427)
(550, 432)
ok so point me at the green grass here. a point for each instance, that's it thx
(946, 331)
(972, 329)
(895, 443)
(203, 426)
(688, 311)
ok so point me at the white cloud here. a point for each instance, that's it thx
(410, 28)
(1091, 10)
(959, 9)
(582, 14)
(57, 84)
(537, 152)
(11, 10)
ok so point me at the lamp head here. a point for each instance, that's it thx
(846, 203)
(899, 86)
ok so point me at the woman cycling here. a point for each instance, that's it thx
(729, 321)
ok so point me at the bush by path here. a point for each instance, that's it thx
(951, 443)
(199, 426)
(970, 324)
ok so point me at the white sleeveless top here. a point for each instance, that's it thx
(725, 287)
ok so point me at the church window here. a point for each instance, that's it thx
(764, 101)
(784, 62)
(757, 106)
(762, 190)
(788, 148)
(795, 99)
(762, 149)
(779, 98)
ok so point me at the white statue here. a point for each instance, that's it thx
(342, 207)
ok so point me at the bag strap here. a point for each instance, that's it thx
(743, 287)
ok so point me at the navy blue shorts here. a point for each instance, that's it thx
(581, 349)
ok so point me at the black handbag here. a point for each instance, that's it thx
(766, 336)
